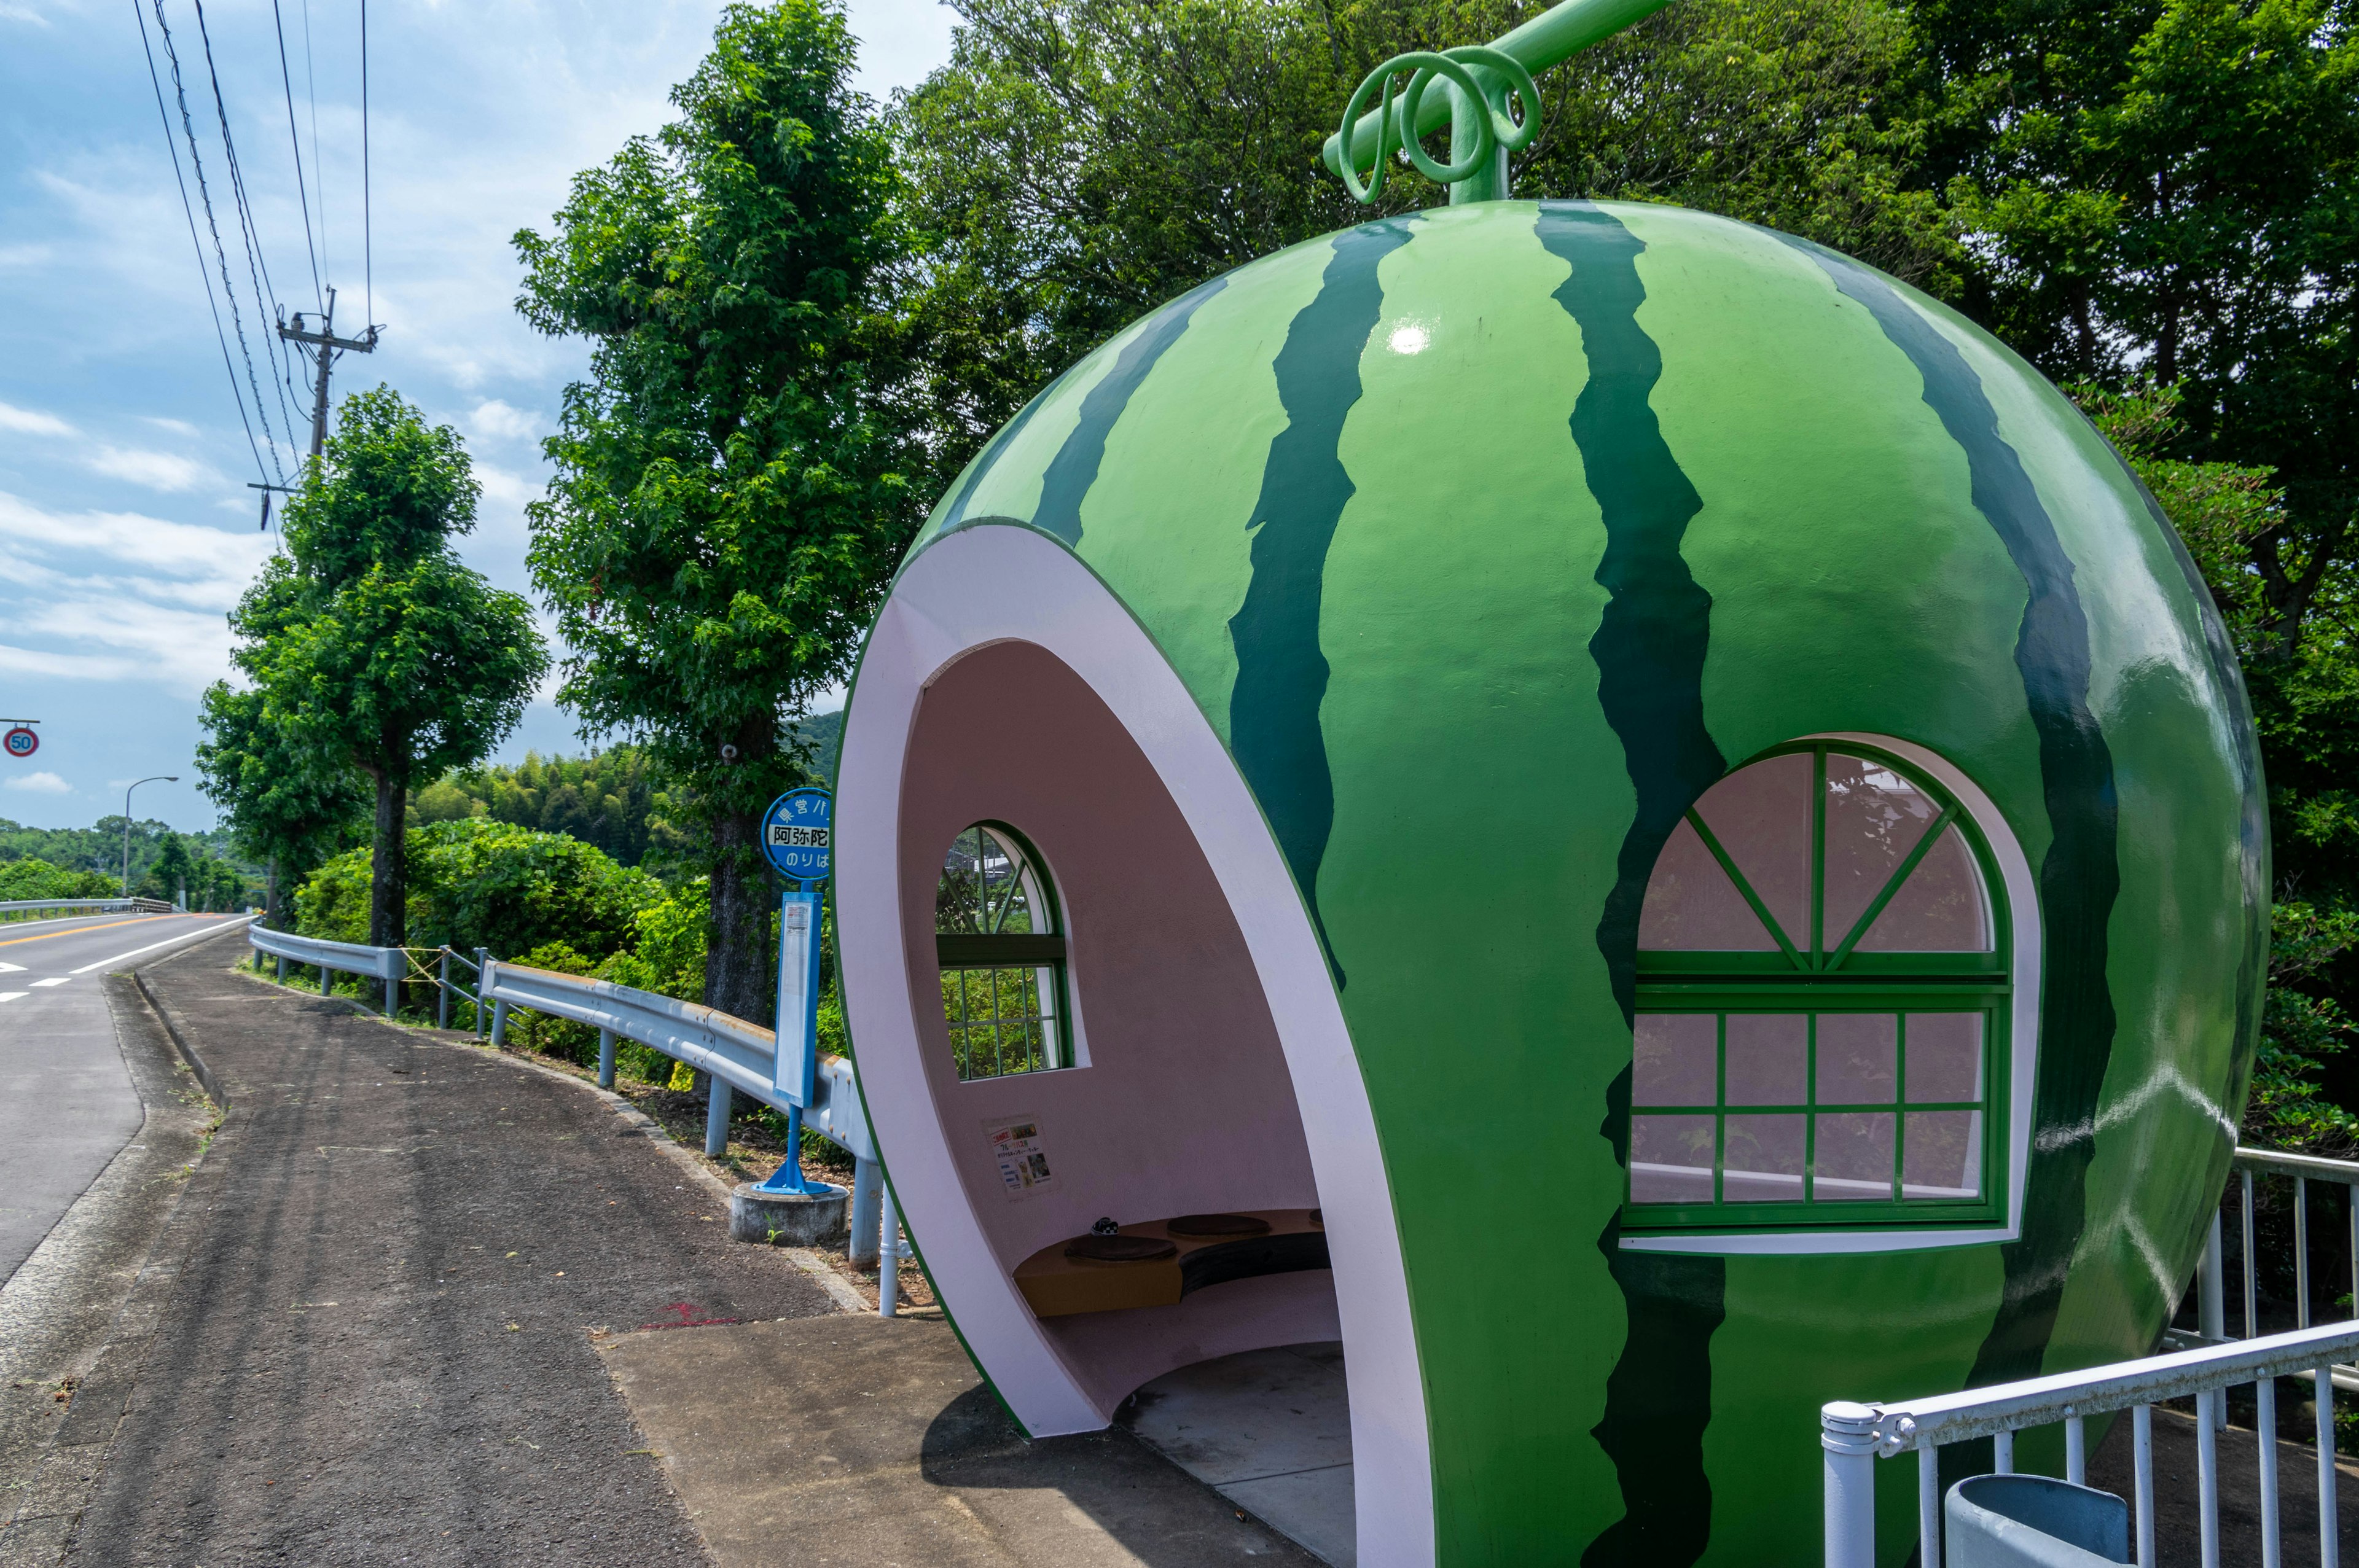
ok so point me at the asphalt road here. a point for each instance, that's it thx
(66, 1106)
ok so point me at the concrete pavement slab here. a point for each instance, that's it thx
(871, 1442)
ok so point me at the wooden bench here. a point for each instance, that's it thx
(1058, 1284)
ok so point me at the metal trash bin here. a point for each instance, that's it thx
(2032, 1521)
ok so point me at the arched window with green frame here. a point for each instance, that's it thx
(1000, 940)
(1822, 1005)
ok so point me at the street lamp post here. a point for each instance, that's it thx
(151, 778)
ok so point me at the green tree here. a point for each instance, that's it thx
(2170, 190)
(287, 807)
(728, 497)
(1078, 162)
(371, 646)
(173, 874)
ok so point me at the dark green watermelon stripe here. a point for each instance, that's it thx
(1075, 467)
(1273, 730)
(955, 515)
(1649, 651)
(2252, 817)
(2080, 875)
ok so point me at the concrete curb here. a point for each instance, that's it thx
(204, 1075)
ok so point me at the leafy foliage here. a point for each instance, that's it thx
(2169, 189)
(99, 848)
(1078, 162)
(370, 646)
(287, 806)
(31, 878)
(613, 799)
(729, 490)
(476, 883)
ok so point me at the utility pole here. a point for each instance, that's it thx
(327, 345)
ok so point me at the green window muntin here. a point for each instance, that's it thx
(1822, 1005)
(999, 939)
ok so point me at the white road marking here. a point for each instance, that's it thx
(57, 981)
(11, 969)
(167, 942)
(12, 996)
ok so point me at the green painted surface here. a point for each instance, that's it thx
(1359, 463)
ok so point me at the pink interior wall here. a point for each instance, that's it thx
(1186, 1106)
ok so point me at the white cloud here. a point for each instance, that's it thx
(152, 471)
(39, 784)
(493, 420)
(32, 422)
(117, 595)
(178, 427)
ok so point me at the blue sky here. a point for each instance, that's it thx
(127, 528)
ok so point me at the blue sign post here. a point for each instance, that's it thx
(797, 840)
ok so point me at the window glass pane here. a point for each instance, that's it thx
(1944, 1155)
(1874, 818)
(1763, 1160)
(1670, 1159)
(1940, 909)
(958, 898)
(989, 888)
(1854, 1157)
(1676, 1059)
(1767, 1059)
(1693, 906)
(1761, 814)
(1858, 1058)
(1945, 1056)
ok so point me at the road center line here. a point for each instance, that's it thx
(53, 936)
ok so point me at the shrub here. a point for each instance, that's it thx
(31, 878)
(479, 883)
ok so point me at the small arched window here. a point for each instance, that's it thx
(1002, 949)
(1822, 1004)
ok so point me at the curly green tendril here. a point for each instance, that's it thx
(1396, 126)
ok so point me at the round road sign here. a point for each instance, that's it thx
(796, 834)
(21, 741)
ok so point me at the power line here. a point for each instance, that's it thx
(319, 168)
(172, 145)
(368, 249)
(287, 79)
(258, 270)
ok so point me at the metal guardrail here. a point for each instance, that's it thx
(390, 965)
(86, 905)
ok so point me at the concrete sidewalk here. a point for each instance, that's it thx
(870, 1443)
(378, 1348)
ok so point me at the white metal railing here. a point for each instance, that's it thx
(1854, 1436)
(2203, 1365)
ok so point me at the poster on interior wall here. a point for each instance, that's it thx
(1023, 1159)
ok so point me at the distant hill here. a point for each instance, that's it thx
(827, 730)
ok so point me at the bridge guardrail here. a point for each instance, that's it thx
(86, 905)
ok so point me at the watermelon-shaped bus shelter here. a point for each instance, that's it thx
(1619, 811)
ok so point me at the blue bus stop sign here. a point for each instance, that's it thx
(796, 835)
